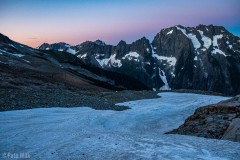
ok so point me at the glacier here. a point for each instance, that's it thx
(137, 133)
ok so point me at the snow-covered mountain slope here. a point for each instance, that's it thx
(208, 57)
(61, 47)
(137, 133)
(201, 58)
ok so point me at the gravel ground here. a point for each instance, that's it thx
(17, 99)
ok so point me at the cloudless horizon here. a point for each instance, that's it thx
(33, 22)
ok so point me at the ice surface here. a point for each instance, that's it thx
(137, 133)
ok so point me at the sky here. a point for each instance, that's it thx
(33, 22)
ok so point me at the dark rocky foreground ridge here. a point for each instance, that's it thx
(23, 67)
(30, 78)
(218, 121)
(200, 58)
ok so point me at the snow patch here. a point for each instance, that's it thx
(170, 60)
(18, 55)
(60, 50)
(164, 79)
(170, 32)
(216, 50)
(67, 45)
(82, 56)
(192, 37)
(215, 44)
(12, 45)
(206, 40)
(148, 50)
(26, 61)
(115, 62)
(13, 54)
(216, 38)
(148, 63)
(183, 30)
(195, 58)
(111, 61)
(131, 55)
(173, 75)
(70, 50)
(195, 42)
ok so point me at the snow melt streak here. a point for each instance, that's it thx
(215, 44)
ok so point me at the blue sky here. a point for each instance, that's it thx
(33, 22)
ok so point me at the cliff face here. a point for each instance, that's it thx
(200, 58)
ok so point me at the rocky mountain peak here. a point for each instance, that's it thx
(122, 43)
(100, 43)
(142, 46)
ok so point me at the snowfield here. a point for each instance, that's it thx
(137, 133)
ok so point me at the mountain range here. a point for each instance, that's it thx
(199, 58)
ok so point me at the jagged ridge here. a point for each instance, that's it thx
(202, 58)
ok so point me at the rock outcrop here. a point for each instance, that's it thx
(218, 121)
